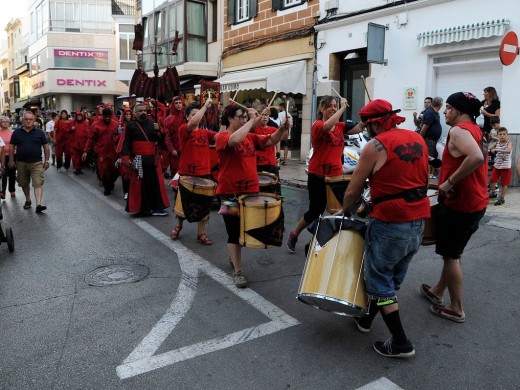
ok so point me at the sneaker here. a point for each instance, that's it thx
(493, 195)
(362, 324)
(240, 279)
(500, 202)
(291, 242)
(390, 349)
(432, 176)
(159, 213)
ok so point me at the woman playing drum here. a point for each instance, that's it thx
(266, 158)
(328, 142)
(195, 160)
(237, 159)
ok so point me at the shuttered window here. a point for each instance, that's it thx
(239, 11)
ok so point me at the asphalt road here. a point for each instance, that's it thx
(186, 326)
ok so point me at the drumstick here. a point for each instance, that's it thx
(366, 89)
(238, 104)
(272, 100)
(234, 97)
(341, 97)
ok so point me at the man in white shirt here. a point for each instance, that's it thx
(284, 143)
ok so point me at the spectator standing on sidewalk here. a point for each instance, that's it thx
(431, 129)
(417, 119)
(8, 174)
(502, 168)
(463, 200)
(29, 141)
(490, 108)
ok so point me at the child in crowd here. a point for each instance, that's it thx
(495, 125)
(502, 167)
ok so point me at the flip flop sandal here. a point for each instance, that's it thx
(447, 314)
(425, 291)
(203, 239)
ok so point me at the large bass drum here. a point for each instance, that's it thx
(333, 277)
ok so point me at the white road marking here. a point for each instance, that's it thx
(380, 384)
(142, 358)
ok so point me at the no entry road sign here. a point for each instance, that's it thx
(509, 48)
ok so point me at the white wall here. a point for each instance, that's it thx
(411, 65)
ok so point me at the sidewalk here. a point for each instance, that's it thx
(508, 215)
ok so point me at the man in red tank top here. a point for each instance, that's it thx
(463, 199)
(396, 163)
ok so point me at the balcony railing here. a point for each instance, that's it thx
(123, 7)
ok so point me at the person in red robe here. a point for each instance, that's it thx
(80, 132)
(147, 195)
(63, 136)
(171, 127)
(126, 116)
(103, 141)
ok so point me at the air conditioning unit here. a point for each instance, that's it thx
(331, 5)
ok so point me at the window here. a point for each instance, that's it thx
(188, 40)
(284, 4)
(126, 41)
(239, 11)
(213, 21)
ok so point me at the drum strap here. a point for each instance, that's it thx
(410, 195)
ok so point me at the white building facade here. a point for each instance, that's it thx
(431, 48)
(80, 52)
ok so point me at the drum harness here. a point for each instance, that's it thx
(409, 195)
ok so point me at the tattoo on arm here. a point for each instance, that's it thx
(378, 145)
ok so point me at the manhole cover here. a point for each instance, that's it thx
(116, 274)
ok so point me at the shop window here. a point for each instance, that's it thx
(239, 11)
(284, 4)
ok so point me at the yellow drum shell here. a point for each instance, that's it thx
(256, 211)
(333, 278)
(333, 204)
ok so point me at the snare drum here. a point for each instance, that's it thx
(333, 278)
(430, 224)
(261, 220)
(336, 187)
(194, 198)
(267, 182)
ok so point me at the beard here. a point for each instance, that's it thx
(142, 117)
(370, 130)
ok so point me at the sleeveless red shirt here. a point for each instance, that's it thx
(406, 167)
(470, 194)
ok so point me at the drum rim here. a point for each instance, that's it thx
(332, 299)
(210, 183)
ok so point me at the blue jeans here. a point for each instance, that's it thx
(389, 248)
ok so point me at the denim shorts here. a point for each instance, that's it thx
(389, 248)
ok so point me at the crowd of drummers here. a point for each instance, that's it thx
(238, 165)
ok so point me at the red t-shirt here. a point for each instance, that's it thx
(327, 149)
(406, 167)
(266, 156)
(237, 174)
(195, 159)
(470, 194)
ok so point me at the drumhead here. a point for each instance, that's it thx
(260, 199)
(265, 178)
(196, 181)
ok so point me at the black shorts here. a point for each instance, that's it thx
(454, 229)
(286, 143)
(432, 147)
